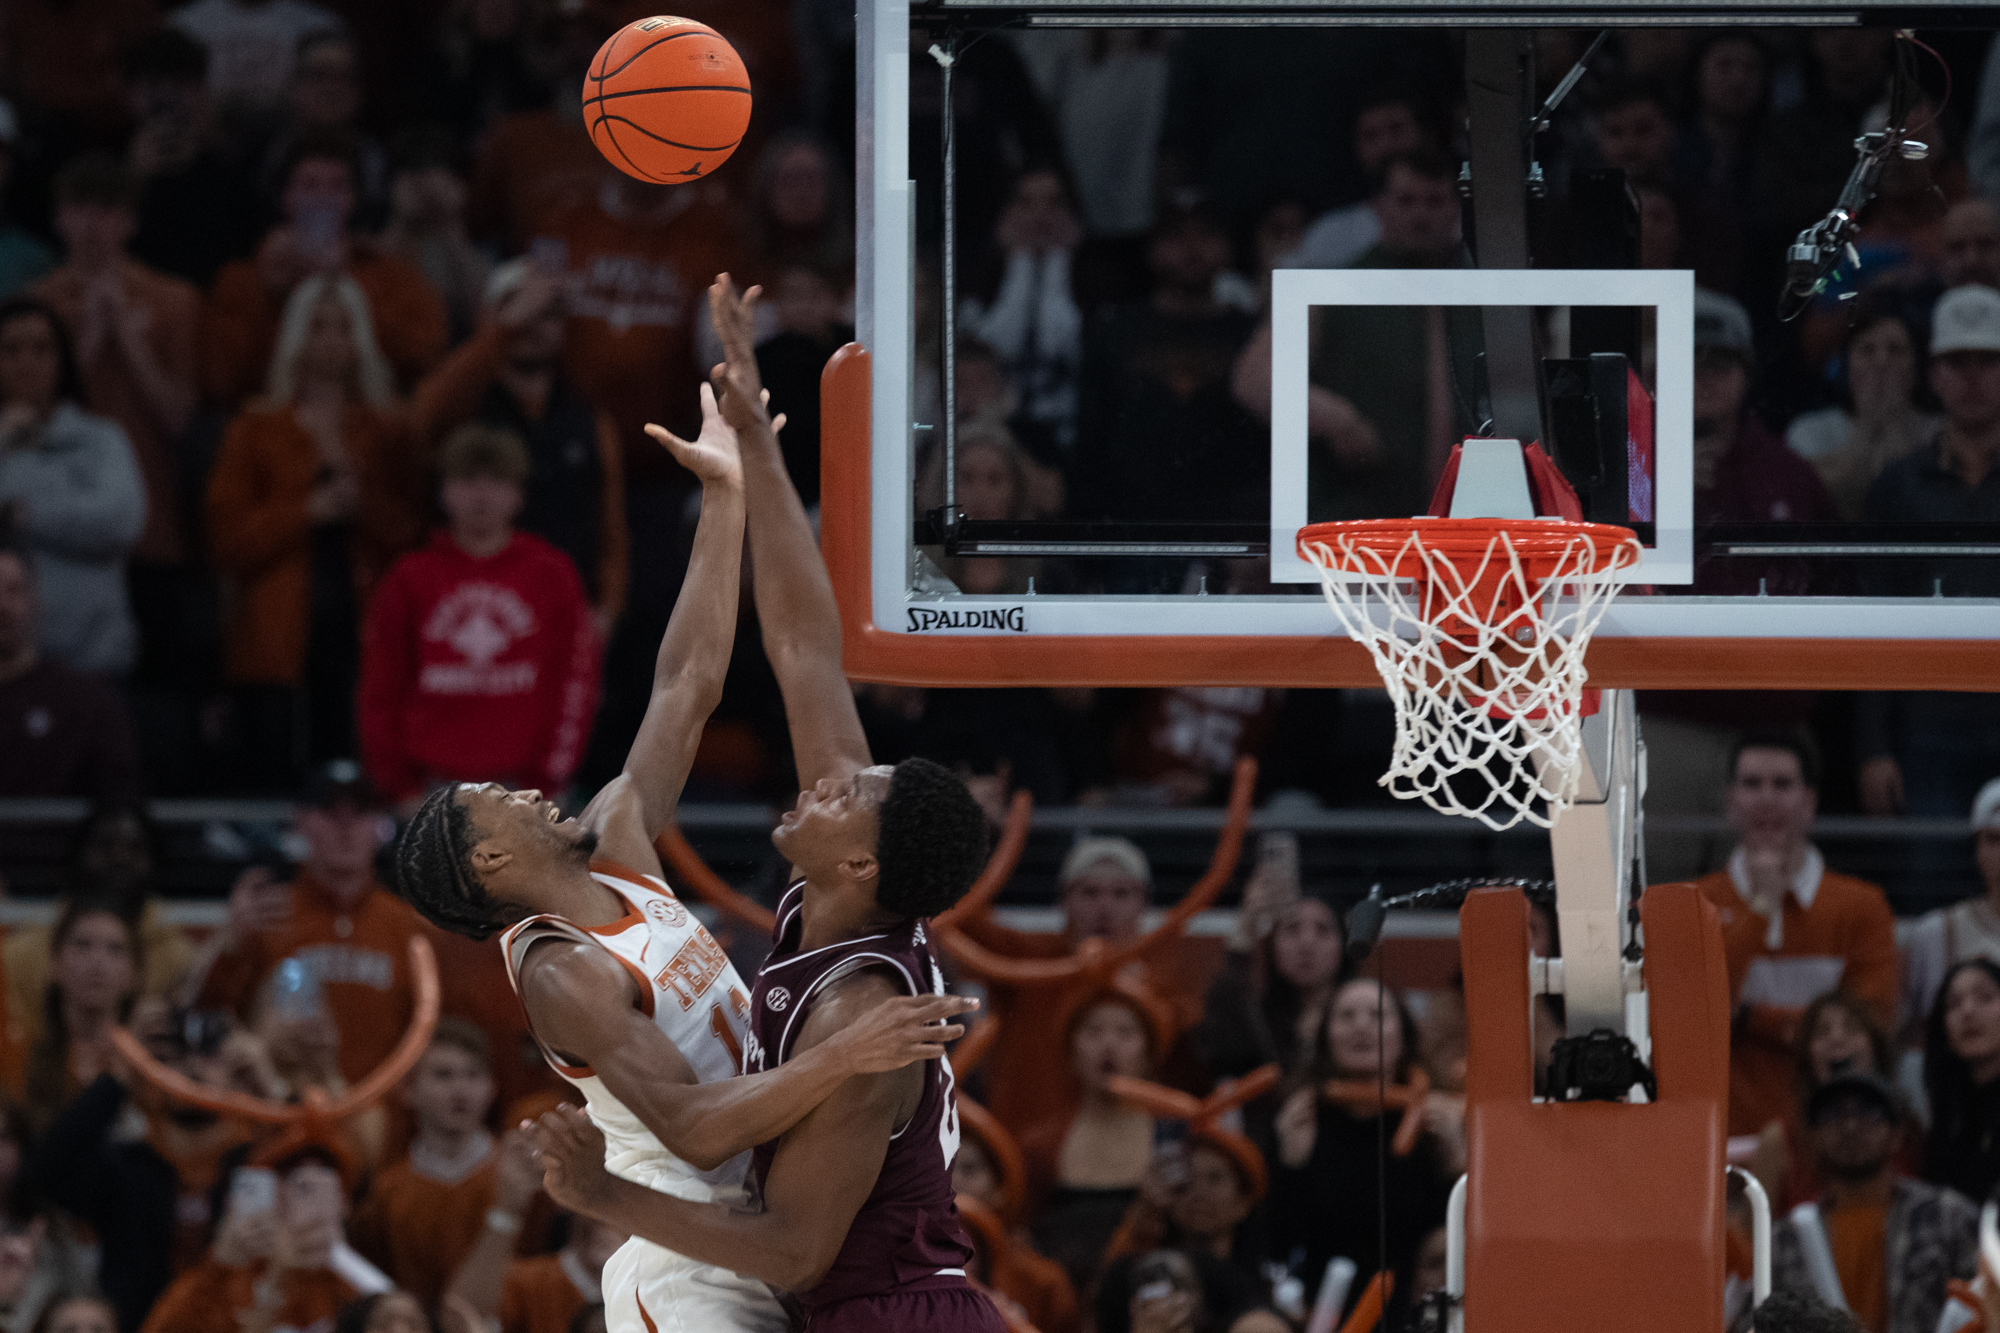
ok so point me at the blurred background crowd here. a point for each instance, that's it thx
(326, 340)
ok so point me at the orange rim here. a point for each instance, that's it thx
(1538, 542)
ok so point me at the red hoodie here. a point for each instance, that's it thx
(477, 669)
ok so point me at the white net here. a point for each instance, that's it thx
(1482, 654)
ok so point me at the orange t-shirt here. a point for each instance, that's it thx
(260, 535)
(540, 1296)
(419, 1230)
(1858, 1235)
(208, 1297)
(1027, 1072)
(1849, 921)
(172, 309)
(240, 324)
(636, 287)
(361, 957)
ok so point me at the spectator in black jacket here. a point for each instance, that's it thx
(1324, 1194)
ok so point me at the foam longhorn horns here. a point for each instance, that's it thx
(693, 872)
(1366, 1096)
(1166, 1103)
(1093, 958)
(316, 1104)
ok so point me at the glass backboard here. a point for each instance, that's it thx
(1154, 543)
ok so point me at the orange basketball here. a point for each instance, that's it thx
(666, 100)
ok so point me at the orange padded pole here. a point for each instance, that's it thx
(1493, 951)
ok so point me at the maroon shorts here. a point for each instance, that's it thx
(945, 1309)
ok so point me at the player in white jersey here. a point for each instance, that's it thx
(628, 996)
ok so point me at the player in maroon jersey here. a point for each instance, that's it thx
(859, 1220)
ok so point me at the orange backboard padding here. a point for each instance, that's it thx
(1287, 662)
(1587, 1216)
(1687, 993)
(1493, 954)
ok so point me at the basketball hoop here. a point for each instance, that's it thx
(1481, 649)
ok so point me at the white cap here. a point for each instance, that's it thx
(1986, 806)
(1967, 319)
(1092, 852)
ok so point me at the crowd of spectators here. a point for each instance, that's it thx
(326, 341)
(1864, 1092)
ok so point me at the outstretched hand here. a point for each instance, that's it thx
(713, 455)
(903, 1030)
(572, 1155)
(738, 384)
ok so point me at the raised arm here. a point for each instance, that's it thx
(821, 1176)
(795, 602)
(582, 1003)
(694, 653)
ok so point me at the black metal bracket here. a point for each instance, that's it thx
(1454, 14)
(1928, 541)
(1092, 539)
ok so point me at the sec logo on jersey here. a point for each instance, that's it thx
(777, 998)
(666, 911)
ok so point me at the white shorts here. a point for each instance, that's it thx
(648, 1289)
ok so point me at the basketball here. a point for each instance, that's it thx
(666, 100)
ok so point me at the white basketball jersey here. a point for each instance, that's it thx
(690, 990)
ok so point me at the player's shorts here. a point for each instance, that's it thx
(648, 1289)
(937, 1310)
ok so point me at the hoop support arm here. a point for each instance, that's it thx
(416, 1038)
(1595, 842)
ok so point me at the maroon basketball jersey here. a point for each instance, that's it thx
(907, 1236)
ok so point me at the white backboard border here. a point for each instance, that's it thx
(1670, 292)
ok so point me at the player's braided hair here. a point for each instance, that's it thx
(434, 871)
(932, 840)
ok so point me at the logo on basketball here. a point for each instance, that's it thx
(666, 911)
(777, 998)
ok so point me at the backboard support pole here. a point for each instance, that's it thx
(1596, 845)
(1498, 86)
